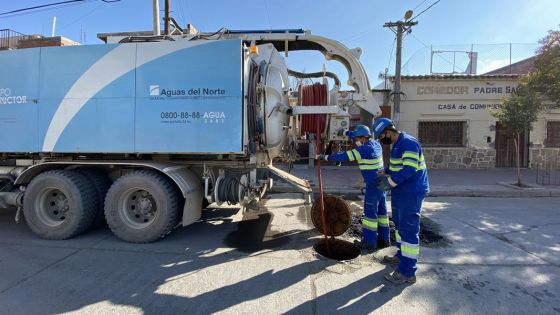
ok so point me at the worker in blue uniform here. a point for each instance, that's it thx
(407, 178)
(368, 155)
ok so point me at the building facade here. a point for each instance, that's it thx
(451, 116)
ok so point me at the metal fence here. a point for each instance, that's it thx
(548, 172)
(467, 59)
(10, 38)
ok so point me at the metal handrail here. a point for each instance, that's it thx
(10, 38)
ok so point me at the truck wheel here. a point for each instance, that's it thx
(101, 182)
(59, 204)
(142, 206)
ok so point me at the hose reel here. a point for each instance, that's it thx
(231, 189)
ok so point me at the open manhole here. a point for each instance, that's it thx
(339, 250)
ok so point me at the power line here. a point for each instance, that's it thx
(417, 15)
(391, 53)
(267, 15)
(182, 13)
(426, 46)
(81, 17)
(48, 5)
(421, 3)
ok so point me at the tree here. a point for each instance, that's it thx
(520, 110)
(545, 80)
(517, 113)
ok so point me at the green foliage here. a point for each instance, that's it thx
(518, 111)
(545, 81)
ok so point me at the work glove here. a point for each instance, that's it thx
(342, 132)
(322, 157)
(384, 182)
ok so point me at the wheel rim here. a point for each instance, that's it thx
(52, 207)
(138, 208)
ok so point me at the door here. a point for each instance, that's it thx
(505, 148)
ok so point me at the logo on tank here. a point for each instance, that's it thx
(157, 92)
(214, 117)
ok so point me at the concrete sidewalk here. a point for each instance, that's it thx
(347, 179)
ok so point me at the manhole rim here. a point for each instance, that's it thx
(350, 245)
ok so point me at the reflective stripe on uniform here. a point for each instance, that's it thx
(395, 165)
(397, 236)
(357, 154)
(350, 156)
(383, 220)
(412, 159)
(411, 154)
(370, 164)
(370, 224)
(410, 250)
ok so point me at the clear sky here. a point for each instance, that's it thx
(448, 25)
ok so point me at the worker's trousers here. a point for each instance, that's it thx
(405, 207)
(375, 221)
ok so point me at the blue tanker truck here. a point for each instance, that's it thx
(145, 131)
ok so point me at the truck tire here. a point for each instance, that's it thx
(59, 204)
(101, 182)
(142, 206)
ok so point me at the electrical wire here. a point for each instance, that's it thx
(426, 46)
(48, 6)
(391, 53)
(81, 17)
(417, 15)
(421, 3)
(267, 15)
(182, 12)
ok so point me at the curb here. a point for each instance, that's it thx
(442, 193)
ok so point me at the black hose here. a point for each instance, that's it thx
(228, 190)
(155, 38)
(315, 75)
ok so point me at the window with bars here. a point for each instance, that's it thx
(442, 133)
(553, 134)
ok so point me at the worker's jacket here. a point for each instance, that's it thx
(369, 157)
(407, 166)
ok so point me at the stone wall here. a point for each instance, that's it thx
(455, 158)
(547, 157)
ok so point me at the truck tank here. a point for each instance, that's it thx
(179, 97)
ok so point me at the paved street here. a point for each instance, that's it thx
(500, 256)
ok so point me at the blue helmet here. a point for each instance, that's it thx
(381, 124)
(360, 131)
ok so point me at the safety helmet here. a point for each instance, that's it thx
(380, 125)
(361, 131)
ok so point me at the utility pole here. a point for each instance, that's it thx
(167, 12)
(399, 28)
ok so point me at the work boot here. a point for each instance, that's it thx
(390, 260)
(398, 278)
(364, 247)
(383, 243)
